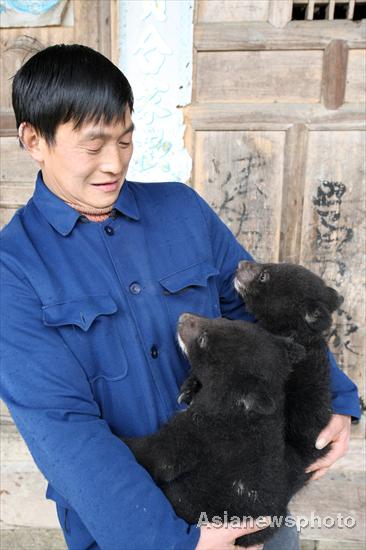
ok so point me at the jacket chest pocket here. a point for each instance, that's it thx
(192, 290)
(89, 326)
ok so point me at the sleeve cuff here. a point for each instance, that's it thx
(348, 404)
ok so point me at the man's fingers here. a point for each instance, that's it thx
(339, 423)
(334, 454)
(213, 538)
(256, 547)
(327, 435)
(323, 462)
(250, 527)
(319, 473)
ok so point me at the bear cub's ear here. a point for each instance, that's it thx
(334, 300)
(319, 312)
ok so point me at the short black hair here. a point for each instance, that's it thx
(69, 82)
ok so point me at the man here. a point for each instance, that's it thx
(95, 272)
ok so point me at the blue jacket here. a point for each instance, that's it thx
(89, 313)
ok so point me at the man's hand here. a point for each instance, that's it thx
(336, 432)
(223, 538)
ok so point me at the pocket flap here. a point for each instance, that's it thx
(194, 275)
(80, 312)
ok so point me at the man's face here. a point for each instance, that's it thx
(88, 165)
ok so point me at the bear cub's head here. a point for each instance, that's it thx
(286, 296)
(240, 365)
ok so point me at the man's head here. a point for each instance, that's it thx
(73, 112)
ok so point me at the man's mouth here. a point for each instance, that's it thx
(107, 186)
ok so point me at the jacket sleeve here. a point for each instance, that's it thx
(50, 399)
(227, 253)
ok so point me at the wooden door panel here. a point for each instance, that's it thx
(289, 77)
(240, 175)
(333, 234)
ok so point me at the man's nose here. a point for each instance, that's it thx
(112, 161)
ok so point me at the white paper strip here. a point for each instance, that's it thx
(156, 41)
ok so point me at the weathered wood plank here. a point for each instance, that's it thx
(240, 175)
(293, 193)
(336, 545)
(5, 215)
(280, 12)
(27, 538)
(115, 26)
(241, 116)
(340, 491)
(7, 124)
(23, 501)
(356, 77)
(259, 77)
(104, 28)
(89, 18)
(330, 10)
(16, 165)
(336, 493)
(310, 10)
(23, 487)
(333, 236)
(17, 175)
(15, 195)
(351, 9)
(5, 417)
(334, 74)
(298, 35)
(231, 10)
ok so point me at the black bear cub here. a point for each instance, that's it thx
(225, 455)
(290, 300)
(259, 396)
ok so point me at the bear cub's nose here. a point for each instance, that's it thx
(245, 264)
(187, 318)
(188, 326)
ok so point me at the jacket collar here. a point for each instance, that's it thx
(63, 217)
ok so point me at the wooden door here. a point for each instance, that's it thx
(276, 130)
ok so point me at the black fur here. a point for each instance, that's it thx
(244, 443)
(226, 452)
(290, 300)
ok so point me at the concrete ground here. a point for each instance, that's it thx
(29, 538)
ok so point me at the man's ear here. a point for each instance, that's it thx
(258, 401)
(31, 141)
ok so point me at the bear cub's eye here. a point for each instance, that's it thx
(263, 276)
(202, 340)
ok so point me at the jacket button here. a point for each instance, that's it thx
(135, 288)
(154, 352)
(109, 230)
